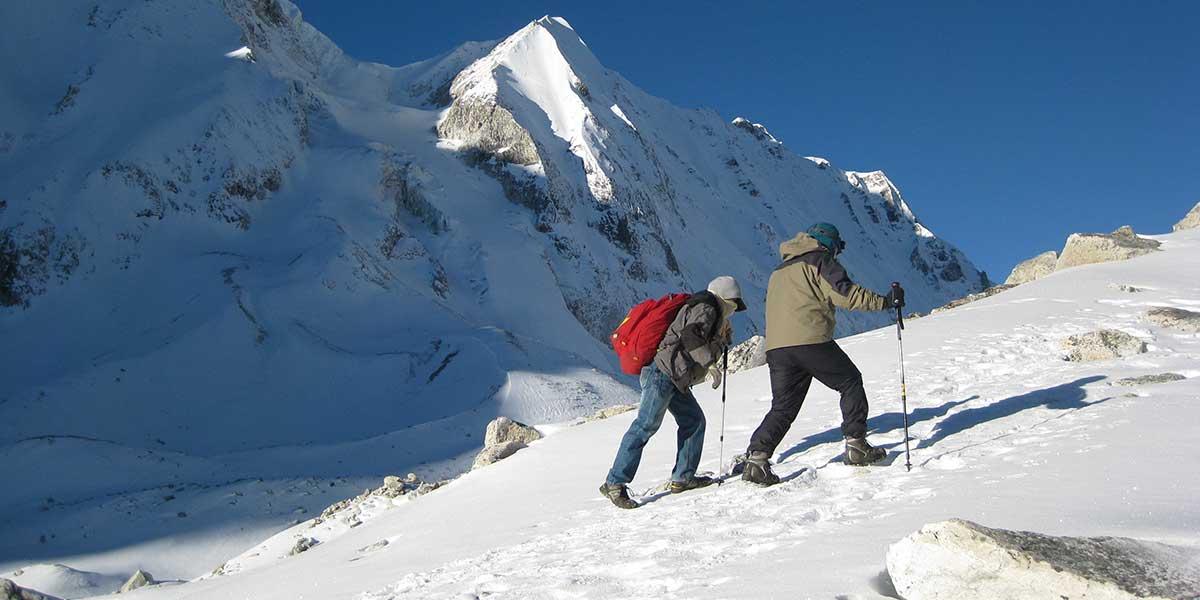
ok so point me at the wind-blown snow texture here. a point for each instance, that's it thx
(287, 269)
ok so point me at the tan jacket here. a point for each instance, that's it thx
(803, 292)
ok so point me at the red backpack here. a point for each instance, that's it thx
(636, 339)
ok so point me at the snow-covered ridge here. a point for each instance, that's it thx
(542, 98)
(261, 277)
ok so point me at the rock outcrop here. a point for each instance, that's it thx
(1033, 269)
(749, 354)
(12, 591)
(350, 510)
(1104, 344)
(302, 545)
(1124, 287)
(504, 429)
(139, 579)
(605, 413)
(1090, 248)
(1151, 379)
(495, 453)
(992, 291)
(961, 560)
(1190, 221)
(1175, 318)
(490, 128)
(502, 439)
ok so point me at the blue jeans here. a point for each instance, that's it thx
(660, 395)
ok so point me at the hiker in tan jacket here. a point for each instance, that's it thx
(802, 295)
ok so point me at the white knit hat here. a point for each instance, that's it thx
(727, 287)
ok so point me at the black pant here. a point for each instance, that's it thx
(792, 371)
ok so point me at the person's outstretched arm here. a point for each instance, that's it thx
(843, 292)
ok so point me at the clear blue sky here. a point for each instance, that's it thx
(1007, 125)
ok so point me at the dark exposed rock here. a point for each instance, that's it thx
(488, 127)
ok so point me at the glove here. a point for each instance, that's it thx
(725, 333)
(894, 297)
(715, 374)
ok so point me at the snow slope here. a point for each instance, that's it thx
(1005, 432)
(239, 285)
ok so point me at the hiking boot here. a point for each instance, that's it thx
(618, 494)
(859, 453)
(678, 487)
(757, 469)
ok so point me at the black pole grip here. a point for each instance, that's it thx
(899, 314)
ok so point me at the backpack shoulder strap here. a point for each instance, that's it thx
(707, 297)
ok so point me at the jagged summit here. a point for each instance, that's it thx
(758, 130)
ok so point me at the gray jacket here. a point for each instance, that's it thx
(687, 350)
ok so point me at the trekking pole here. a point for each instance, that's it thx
(724, 385)
(903, 386)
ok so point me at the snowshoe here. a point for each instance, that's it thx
(678, 487)
(619, 495)
(757, 469)
(859, 453)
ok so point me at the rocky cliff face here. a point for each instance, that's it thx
(673, 195)
(1190, 220)
(351, 252)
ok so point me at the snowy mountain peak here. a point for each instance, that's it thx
(757, 130)
(877, 182)
(282, 252)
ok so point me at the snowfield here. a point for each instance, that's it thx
(244, 275)
(1005, 432)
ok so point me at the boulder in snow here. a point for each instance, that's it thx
(958, 560)
(1175, 318)
(11, 591)
(748, 354)
(502, 439)
(139, 579)
(1032, 269)
(496, 452)
(302, 545)
(1089, 248)
(393, 483)
(1151, 379)
(1190, 221)
(1126, 288)
(504, 429)
(1104, 344)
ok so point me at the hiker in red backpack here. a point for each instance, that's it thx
(689, 349)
